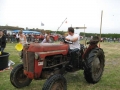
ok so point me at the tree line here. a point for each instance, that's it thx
(33, 29)
(10, 28)
(108, 35)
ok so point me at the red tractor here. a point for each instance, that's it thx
(54, 37)
(51, 60)
(38, 38)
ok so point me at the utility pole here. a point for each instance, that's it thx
(84, 30)
(61, 24)
(84, 35)
(101, 26)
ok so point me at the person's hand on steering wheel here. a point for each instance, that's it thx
(67, 39)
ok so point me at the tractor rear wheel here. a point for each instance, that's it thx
(55, 82)
(18, 78)
(95, 63)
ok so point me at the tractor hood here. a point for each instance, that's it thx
(47, 47)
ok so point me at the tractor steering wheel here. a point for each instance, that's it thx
(65, 41)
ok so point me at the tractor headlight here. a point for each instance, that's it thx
(36, 56)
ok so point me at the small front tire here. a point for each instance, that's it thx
(17, 77)
(55, 82)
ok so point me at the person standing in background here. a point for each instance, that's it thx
(32, 37)
(114, 39)
(22, 38)
(8, 37)
(17, 37)
(12, 37)
(2, 41)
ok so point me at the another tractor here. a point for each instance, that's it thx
(51, 60)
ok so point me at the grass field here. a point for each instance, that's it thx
(75, 81)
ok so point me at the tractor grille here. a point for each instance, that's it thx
(28, 61)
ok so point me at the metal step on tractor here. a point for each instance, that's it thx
(52, 60)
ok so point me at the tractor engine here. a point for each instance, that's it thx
(43, 60)
(54, 65)
(53, 60)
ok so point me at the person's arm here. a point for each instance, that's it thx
(73, 40)
(67, 38)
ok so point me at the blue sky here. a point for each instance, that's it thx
(30, 13)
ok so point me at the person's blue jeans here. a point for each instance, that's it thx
(74, 57)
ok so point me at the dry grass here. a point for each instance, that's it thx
(110, 79)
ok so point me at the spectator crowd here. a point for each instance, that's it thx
(14, 37)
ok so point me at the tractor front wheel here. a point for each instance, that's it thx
(18, 78)
(55, 82)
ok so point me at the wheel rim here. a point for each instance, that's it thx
(97, 68)
(21, 76)
(58, 85)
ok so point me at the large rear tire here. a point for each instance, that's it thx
(55, 82)
(95, 66)
(17, 77)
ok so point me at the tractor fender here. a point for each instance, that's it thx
(91, 55)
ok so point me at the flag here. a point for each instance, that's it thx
(42, 24)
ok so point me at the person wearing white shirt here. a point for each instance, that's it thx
(22, 38)
(17, 37)
(74, 47)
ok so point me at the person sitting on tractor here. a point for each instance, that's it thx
(74, 47)
(47, 38)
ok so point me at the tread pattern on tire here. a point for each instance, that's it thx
(47, 85)
(13, 79)
(88, 73)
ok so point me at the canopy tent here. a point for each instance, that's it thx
(26, 32)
